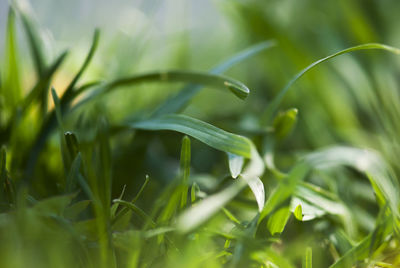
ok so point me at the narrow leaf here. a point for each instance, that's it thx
(298, 213)
(273, 106)
(307, 259)
(204, 132)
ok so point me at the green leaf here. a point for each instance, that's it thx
(298, 213)
(284, 123)
(381, 177)
(177, 102)
(277, 221)
(307, 259)
(273, 106)
(54, 205)
(204, 132)
(285, 190)
(235, 164)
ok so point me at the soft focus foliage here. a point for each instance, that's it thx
(133, 151)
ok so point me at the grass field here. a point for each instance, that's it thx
(283, 154)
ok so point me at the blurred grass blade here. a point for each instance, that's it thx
(204, 210)
(177, 102)
(41, 86)
(284, 123)
(11, 86)
(34, 42)
(72, 178)
(277, 221)
(285, 190)
(235, 164)
(307, 259)
(57, 108)
(298, 213)
(273, 106)
(204, 132)
(185, 169)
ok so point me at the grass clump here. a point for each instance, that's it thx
(82, 189)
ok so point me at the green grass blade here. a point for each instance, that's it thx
(34, 42)
(185, 169)
(11, 87)
(217, 81)
(177, 102)
(85, 64)
(138, 211)
(204, 132)
(41, 86)
(273, 106)
(298, 213)
(307, 259)
(277, 221)
(57, 108)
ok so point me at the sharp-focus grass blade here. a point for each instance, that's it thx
(204, 210)
(285, 190)
(235, 164)
(273, 106)
(72, 178)
(72, 144)
(177, 102)
(11, 87)
(257, 187)
(204, 132)
(185, 169)
(307, 259)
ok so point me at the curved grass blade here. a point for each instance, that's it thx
(177, 102)
(68, 92)
(273, 106)
(218, 81)
(204, 132)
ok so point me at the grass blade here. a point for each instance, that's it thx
(177, 102)
(273, 106)
(185, 169)
(204, 132)
(307, 259)
(11, 85)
